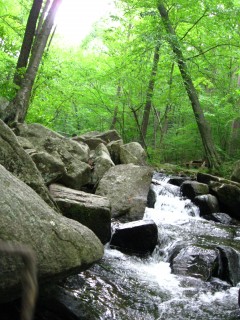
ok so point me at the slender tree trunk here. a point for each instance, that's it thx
(17, 109)
(150, 90)
(203, 127)
(115, 114)
(164, 120)
(27, 40)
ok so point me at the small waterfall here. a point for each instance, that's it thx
(127, 287)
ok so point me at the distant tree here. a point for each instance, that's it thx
(204, 129)
(17, 108)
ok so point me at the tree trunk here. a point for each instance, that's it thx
(115, 114)
(17, 109)
(203, 127)
(27, 40)
(149, 96)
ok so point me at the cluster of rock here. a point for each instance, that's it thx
(58, 196)
(217, 254)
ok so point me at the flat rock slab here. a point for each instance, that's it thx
(91, 210)
(139, 237)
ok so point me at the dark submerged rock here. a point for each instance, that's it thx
(139, 237)
(207, 204)
(195, 261)
(229, 265)
(191, 189)
(219, 217)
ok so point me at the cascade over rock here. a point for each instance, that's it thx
(62, 246)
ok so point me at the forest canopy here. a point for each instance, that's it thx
(138, 71)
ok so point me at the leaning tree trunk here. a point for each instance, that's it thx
(27, 40)
(17, 109)
(149, 96)
(203, 127)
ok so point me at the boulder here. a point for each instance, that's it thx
(192, 189)
(195, 261)
(228, 196)
(19, 163)
(236, 172)
(151, 197)
(78, 173)
(114, 150)
(177, 181)
(134, 153)
(219, 217)
(91, 142)
(207, 204)
(90, 210)
(139, 237)
(126, 187)
(74, 155)
(102, 163)
(51, 168)
(229, 265)
(62, 246)
(105, 137)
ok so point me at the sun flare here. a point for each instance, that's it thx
(75, 18)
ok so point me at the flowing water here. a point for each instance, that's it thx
(125, 287)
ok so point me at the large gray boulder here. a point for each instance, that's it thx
(62, 246)
(74, 155)
(94, 138)
(51, 168)
(102, 163)
(89, 209)
(126, 187)
(19, 163)
(134, 153)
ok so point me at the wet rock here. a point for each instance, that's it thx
(192, 189)
(195, 261)
(177, 181)
(229, 198)
(90, 210)
(139, 237)
(151, 197)
(126, 187)
(219, 217)
(207, 204)
(229, 265)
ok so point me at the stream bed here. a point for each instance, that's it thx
(125, 287)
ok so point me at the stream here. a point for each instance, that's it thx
(124, 287)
